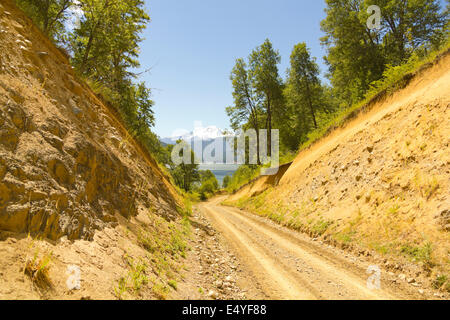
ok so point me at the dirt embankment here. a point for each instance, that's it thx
(378, 185)
(67, 166)
(75, 188)
(259, 185)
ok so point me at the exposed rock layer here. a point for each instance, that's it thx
(67, 165)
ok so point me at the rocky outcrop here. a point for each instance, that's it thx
(67, 165)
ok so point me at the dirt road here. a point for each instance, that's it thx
(287, 265)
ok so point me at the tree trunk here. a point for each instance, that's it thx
(86, 53)
(269, 127)
(185, 182)
(258, 159)
(254, 118)
(311, 105)
(46, 17)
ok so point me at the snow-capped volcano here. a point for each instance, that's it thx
(203, 138)
(199, 133)
(208, 133)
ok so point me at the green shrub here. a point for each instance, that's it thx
(243, 175)
(440, 281)
(418, 253)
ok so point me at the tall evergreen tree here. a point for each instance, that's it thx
(106, 44)
(303, 79)
(266, 82)
(246, 109)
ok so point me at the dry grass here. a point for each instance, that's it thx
(156, 272)
(38, 271)
(160, 291)
(135, 280)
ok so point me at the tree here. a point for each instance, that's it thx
(358, 56)
(354, 55)
(91, 33)
(308, 103)
(127, 36)
(189, 174)
(266, 82)
(208, 184)
(184, 174)
(295, 128)
(206, 175)
(226, 182)
(48, 15)
(303, 79)
(105, 48)
(246, 109)
(106, 43)
(408, 25)
(145, 114)
(257, 92)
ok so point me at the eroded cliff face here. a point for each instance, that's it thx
(67, 165)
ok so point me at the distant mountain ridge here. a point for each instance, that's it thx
(206, 136)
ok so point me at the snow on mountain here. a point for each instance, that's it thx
(199, 133)
(208, 133)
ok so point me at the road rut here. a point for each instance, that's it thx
(286, 265)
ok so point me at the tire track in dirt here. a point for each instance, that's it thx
(286, 267)
(281, 285)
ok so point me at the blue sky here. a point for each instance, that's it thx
(191, 47)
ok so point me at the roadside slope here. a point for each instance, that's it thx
(75, 187)
(381, 182)
(60, 144)
(260, 184)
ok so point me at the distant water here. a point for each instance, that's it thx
(221, 174)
